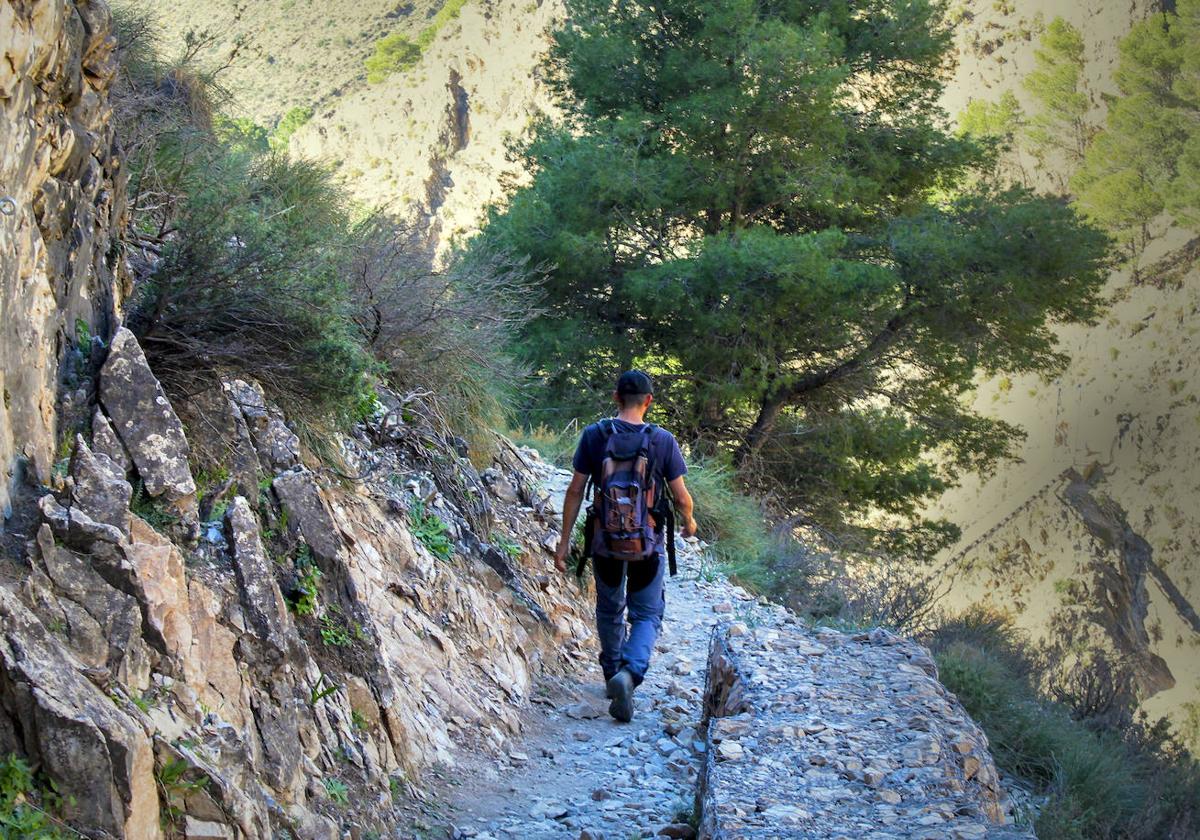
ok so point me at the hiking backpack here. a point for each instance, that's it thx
(618, 524)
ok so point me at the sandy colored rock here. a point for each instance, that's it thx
(59, 169)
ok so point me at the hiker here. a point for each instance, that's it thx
(629, 464)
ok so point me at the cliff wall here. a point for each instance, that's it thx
(61, 200)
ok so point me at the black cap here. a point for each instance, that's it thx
(634, 382)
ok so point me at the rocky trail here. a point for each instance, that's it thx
(578, 772)
(750, 724)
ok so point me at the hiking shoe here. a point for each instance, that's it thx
(620, 689)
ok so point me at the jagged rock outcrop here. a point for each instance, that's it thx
(62, 196)
(304, 660)
(146, 422)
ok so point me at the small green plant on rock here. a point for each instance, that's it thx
(25, 805)
(174, 786)
(508, 546)
(321, 690)
(333, 630)
(151, 510)
(430, 530)
(310, 576)
(337, 790)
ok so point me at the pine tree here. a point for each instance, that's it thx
(1147, 159)
(741, 199)
(1059, 131)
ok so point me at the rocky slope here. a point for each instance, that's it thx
(1124, 414)
(430, 140)
(243, 672)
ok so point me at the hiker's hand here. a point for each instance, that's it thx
(689, 527)
(560, 555)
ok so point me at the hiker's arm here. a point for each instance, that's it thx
(571, 505)
(683, 506)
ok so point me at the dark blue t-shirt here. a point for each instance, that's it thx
(666, 459)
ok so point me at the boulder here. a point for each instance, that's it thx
(263, 604)
(160, 586)
(146, 422)
(99, 758)
(74, 527)
(301, 497)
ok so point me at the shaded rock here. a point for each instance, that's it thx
(106, 442)
(101, 625)
(499, 486)
(74, 527)
(259, 592)
(146, 422)
(277, 446)
(99, 487)
(219, 438)
(301, 497)
(100, 759)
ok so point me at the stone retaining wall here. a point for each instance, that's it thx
(822, 734)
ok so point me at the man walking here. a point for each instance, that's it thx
(628, 462)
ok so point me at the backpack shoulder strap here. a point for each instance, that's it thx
(606, 429)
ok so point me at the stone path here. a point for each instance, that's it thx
(815, 734)
(578, 773)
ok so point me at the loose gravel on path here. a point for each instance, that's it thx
(579, 773)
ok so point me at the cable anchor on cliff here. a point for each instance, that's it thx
(8, 206)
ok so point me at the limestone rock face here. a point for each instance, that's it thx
(146, 421)
(312, 635)
(62, 197)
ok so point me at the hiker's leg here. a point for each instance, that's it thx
(610, 612)
(647, 600)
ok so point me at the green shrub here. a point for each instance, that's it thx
(1100, 783)
(288, 126)
(151, 510)
(396, 52)
(24, 804)
(430, 530)
(393, 53)
(732, 521)
(449, 11)
(252, 283)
